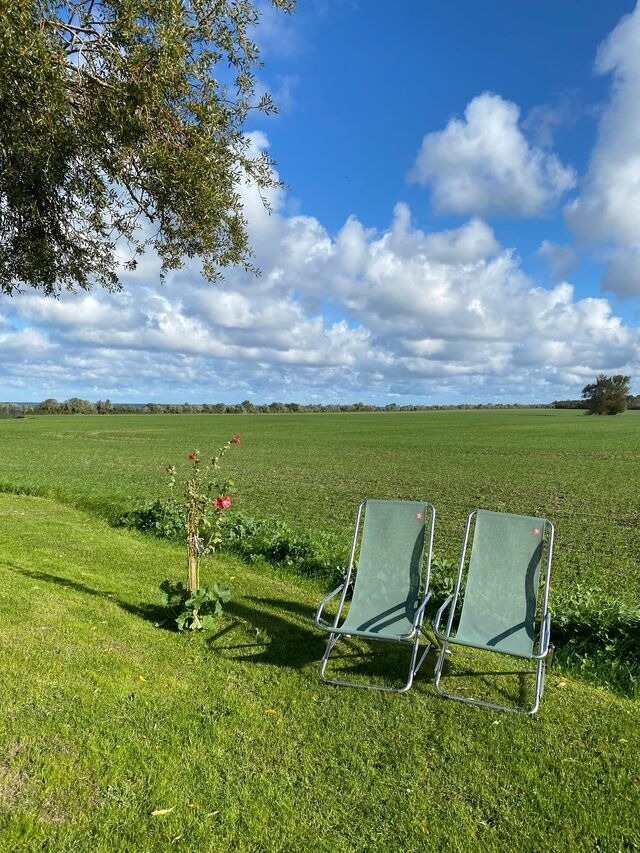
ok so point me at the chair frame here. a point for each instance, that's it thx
(411, 639)
(543, 638)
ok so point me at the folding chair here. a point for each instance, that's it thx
(391, 586)
(500, 599)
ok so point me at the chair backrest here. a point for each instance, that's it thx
(390, 566)
(500, 599)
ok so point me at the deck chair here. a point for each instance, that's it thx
(391, 586)
(500, 600)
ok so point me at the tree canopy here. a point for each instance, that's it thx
(607, 395)
(122, 128)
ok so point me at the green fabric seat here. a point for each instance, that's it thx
(390, 587)
(499, 608)
(500, 600)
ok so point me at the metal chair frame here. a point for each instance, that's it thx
(410, 639)
(445, 639)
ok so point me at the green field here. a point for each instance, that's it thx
(582, 473)
(117, 735)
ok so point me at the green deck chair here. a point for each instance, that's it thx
(391, 587)
(501, 596)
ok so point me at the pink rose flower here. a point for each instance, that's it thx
(236, 438)
(223, 502)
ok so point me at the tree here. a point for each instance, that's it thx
(121, 128)
(104, 407)
(49, 406)
(607, 395)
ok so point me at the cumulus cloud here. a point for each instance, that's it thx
(561, 260)
(398, 314)
(483, 164)
(607, 211)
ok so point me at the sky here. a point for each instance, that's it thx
(460, 224)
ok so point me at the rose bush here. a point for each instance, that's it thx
(203, 499)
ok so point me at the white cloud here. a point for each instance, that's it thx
(399, 314)
(484, 165)
(561, 260)
(607, 212)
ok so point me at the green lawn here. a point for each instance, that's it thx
(108, 719)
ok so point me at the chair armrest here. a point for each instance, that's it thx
(419, 614)
(545, 637)
(317, 621)
(436, 621)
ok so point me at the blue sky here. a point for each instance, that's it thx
(461, 223)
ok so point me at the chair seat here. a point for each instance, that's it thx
(389, 592)
(391, 624)
(463, 640)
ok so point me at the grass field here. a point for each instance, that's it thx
(232, 739)
(117, 735)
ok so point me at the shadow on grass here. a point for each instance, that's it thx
(155, 613)
(513, 688)
(284, 636)
(270, 635)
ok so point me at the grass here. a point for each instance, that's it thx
(235, 745)
(311, 470)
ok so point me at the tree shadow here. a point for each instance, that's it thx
(155, 613)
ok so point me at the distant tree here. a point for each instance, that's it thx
(77, 406)
(607, 395)
(121, 128)
(104, 407)
(48, 407)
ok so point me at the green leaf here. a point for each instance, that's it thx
(222, 591)
(182, 620)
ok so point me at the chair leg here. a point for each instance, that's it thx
(538, 690)
(413, 668)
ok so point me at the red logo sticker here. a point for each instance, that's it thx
(536, 531)
(419, 516)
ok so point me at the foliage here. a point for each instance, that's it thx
(164, 518)
(197, 609)
(52, 407)
(320, 555)
(121, 128)
(598, 637)
(607, 395)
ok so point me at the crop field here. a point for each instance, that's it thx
(311, 470)
(117, 735)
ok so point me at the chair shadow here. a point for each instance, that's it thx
(518, 692)
(278, 639)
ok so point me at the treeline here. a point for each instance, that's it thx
(78, 406)
(633, 402)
